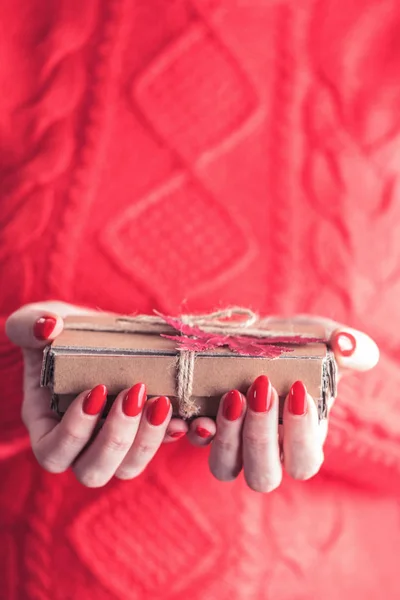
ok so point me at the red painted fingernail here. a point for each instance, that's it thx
(44, 327)
(345, 343)
(177, 434)
(260, 394)
(233, 405)
(203, 432)
(95, 400)
(134, 399)
(298, 399)
(158, 410)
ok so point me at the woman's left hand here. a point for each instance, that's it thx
(246, 434)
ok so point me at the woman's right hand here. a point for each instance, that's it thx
(131, 434)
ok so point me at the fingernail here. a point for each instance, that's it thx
(260, 394)
(158, 410)
(95, 400)
(203, 432)
(344, 343)
(298, 399)
(44, 327)
(177, 434)
(233, 405)
(134, 399)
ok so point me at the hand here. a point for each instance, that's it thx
(246, 433)
(132, 432)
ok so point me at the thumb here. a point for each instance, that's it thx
(33, 327)
(354, 349)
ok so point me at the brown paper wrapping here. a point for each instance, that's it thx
(109, 350)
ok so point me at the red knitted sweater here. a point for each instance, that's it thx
(186, 155)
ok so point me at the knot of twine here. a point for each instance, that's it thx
(219, 318)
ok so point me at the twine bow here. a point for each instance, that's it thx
(199, 333)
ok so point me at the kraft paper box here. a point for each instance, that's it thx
(119, 352)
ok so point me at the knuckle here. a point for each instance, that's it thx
(264, 485)
(116, 443)
(72, 438)
(49, 463)
(146, 448)
(199, 442)
(31, 306)
(224, 475)
(91, 478)
(302, 472)
(126, 474)
(299, 445)
(9, 325)
(24, 416)
(225, 444)
(224, 472)
(259, 442)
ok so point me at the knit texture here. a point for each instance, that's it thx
(188, 155)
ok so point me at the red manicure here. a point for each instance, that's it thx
(177, 434)
(344, 343)
(260, 394)
(134, 399)
(95, 400)
(233, 405)
(44, 327)
(158, 410)
(298, 399)
(203, 432)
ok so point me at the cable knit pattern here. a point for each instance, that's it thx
(94, 127)
(189, 155)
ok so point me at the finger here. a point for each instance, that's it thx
(151, 432)
(302, 447)
(225, 457)
(202, 431)
(57, 444)
(176, 430)
(98, 463)
(261, 453)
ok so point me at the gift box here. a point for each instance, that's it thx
(193, 360)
